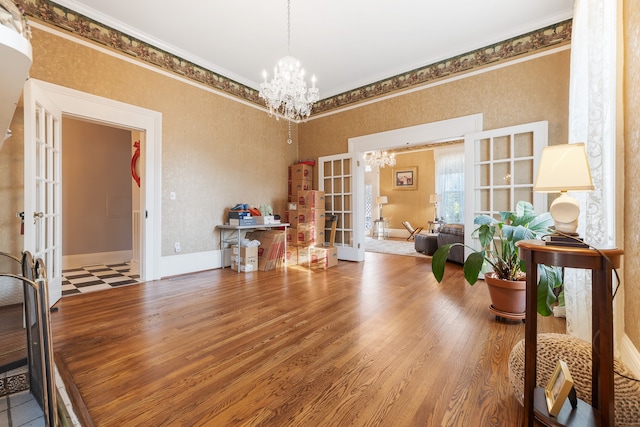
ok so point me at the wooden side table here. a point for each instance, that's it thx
(601, 413)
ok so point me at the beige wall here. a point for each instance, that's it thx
(632, 172)
(409, 205)
(96, 188)
(529, 91)
(533, 90)
(216, 152)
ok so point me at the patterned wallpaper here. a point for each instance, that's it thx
(632, 173)
(75, 23)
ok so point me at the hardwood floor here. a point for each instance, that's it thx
(377, 343)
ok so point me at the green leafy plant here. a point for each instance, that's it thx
(499, 252)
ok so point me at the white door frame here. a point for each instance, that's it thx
(433, 132)
(118, 114)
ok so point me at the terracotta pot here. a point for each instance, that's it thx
(508, 297)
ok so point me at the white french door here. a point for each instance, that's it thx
(500, 168)
(339, 177)
(42, 184)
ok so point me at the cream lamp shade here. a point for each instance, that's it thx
(564, 168)
(381, 200)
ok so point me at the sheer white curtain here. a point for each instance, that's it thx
(592, 102)
(450, 182)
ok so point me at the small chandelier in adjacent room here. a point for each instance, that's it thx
(379, 159)
(287, 94)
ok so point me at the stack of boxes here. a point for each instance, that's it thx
(306, 214)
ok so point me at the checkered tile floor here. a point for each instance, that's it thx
(97, 277)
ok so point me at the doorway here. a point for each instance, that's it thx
(405, 138)
(97, 194)
(83, 106)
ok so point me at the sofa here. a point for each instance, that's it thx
(447, 233)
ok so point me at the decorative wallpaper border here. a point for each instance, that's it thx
(80, 25)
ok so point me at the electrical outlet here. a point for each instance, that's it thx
(177, 247)
(172, 195)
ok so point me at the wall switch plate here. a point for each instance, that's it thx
(172, 195)
(177, 247)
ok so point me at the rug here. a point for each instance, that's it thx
(395, 247)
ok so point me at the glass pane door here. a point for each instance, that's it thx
(337, 177)
(500, 171)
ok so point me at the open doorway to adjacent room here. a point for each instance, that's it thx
(101, 205)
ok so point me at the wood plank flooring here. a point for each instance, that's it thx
(377, 343)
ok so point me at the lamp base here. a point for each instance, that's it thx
(566, 239)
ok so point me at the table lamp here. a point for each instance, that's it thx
(433, 199)
(381, 200)
(564, 168)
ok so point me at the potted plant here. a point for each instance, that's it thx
(504, 270)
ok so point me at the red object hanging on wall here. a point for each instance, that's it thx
(134, 160)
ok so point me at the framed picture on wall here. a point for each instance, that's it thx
(405, 178)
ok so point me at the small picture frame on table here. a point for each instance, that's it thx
(405, 178)
(560, 387)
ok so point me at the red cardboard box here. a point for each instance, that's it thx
(271, 249)
(300, 185)
(310, 199)
(318, 257)
(300, 171)
(291, 217)
(292, 236)
(291, 256)
(323, 257)
(311, 216)
(310, 234)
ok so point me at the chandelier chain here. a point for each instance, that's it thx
(289, 27)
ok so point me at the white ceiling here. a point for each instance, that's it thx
(345, 43)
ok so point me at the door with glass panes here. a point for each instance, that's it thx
(500, 168)
(339, 177)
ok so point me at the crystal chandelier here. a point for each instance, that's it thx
(287, 94)
(379, 159)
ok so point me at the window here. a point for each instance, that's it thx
(450, 183)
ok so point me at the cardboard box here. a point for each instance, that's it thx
(248, 258)
(300, 171)
(310, 199)
(291, 256)
(311, 216)
(271, 249)
(300, 185)
(265, 219)
(239, 214)
(310, 234)
(243, 221)
(304, 255)
(291, 217)
(292, 207)
(323, 258)
(292, 237)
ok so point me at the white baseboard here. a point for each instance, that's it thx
(630, 355)
(81, 260)
(189, 263)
